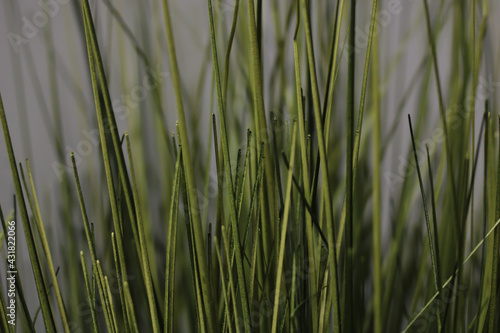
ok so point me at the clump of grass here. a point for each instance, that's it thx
(289, 235)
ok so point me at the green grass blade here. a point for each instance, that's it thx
(437, 256)
(228, 51)
(493, 314)
(284, 228)
(104, 297)
(451, 278)
(110, 304)
(86, 224)
(231, 283)
(229, 180)
(324, 170)
(146, 268)
(130, 308)
(3, 306)
(19, 286)
(120, 284)
(46, 249)
(35, 263)
(347, 291)
(209, 304)
(442, 110)
(269, 205)
(377, 190)
(311, 248)
(3, 315)
(430, 230)
(171, 249)
(227, 292)
(95, 326)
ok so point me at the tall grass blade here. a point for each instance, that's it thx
(430, 230)
(284, 229)
(199, 246)
(34, 258)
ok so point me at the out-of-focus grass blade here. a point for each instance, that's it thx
(493, 314)
(347, 288)
(377, 189)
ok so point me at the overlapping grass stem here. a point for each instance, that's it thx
(288, 218)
